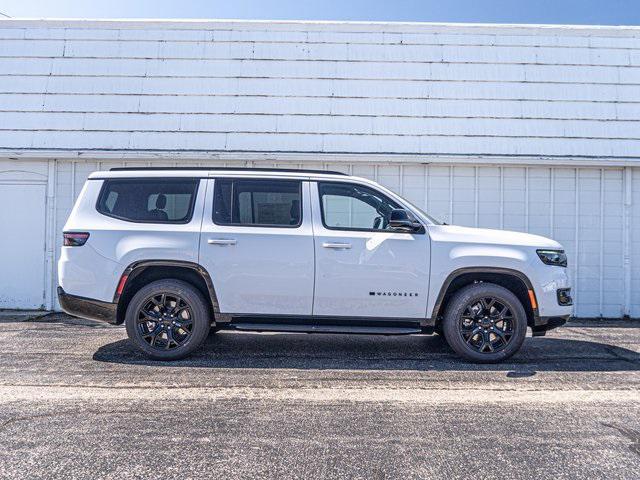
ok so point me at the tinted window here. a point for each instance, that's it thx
(149, 201)
(354, 207)
(257, 202)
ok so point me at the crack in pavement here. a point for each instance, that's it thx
(629, 433)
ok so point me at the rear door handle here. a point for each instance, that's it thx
(222, 241)
(336, 245)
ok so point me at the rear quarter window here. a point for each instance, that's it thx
(148, 200)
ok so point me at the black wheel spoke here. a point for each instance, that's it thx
(487, 303)
(471, 335)
(501, 335)
(154, 337)
(170, 339)
(155, 331)
(505, 313)
(149, 315)
(177, 310)
(184, 326)
(486, 342)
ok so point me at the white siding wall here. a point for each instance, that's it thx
(312, 87)
(580, 207)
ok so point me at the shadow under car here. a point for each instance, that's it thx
(229, 349)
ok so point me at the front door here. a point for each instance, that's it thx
(257, 245)
(363, 267)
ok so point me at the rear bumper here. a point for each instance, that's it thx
(548, 323)
(87, 307)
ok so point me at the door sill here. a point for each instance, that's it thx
(325, 325)
(279, 327)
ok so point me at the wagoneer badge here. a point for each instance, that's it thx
(392, 294)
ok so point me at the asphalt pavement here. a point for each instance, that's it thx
(78, 401)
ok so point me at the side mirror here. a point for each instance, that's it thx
(404, 221)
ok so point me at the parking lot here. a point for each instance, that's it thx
(77, 401)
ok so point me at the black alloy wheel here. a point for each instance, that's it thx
(165, 321)
(168, 319)
(486, 325)
(484, 322)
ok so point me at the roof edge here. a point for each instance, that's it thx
(313, 25)
(173, 156)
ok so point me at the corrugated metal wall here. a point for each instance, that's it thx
(594, 212)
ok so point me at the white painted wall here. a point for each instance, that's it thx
(320, 87)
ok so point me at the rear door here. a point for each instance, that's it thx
(257, 245)
(363, 267)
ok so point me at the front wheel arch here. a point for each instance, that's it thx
(513, 280)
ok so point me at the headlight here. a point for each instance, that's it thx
(553, 257)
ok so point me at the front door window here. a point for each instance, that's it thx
(354, 207)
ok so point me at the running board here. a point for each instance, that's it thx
(283, 327)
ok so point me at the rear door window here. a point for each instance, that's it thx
(268, 203)
(149, 200)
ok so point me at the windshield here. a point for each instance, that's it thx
(425, 214)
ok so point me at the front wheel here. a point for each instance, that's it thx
(485, 323)
(167, 319)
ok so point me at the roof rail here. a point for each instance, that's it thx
(228, 169)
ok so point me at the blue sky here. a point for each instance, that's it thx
(603, 12)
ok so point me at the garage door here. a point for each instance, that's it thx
(593, 212)
(22, 243)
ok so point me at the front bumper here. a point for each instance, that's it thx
(546, 282)
(87, 307)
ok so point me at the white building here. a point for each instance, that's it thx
(531, 128)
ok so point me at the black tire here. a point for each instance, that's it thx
(168, 319)
(485, 323)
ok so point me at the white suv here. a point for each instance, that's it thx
(173, 253)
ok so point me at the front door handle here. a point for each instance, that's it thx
(222, 241)
(336, 245)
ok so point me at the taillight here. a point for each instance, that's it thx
(75, 239)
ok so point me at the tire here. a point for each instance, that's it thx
(485, 323)
(168, 319)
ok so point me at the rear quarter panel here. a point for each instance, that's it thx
(93, 270)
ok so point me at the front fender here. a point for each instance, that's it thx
(452, 260)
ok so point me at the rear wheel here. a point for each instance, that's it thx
(168, 319)
(485, 323)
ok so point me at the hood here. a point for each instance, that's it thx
(454, 233)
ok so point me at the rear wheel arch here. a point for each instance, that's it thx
(513, 280)
(141, 273)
